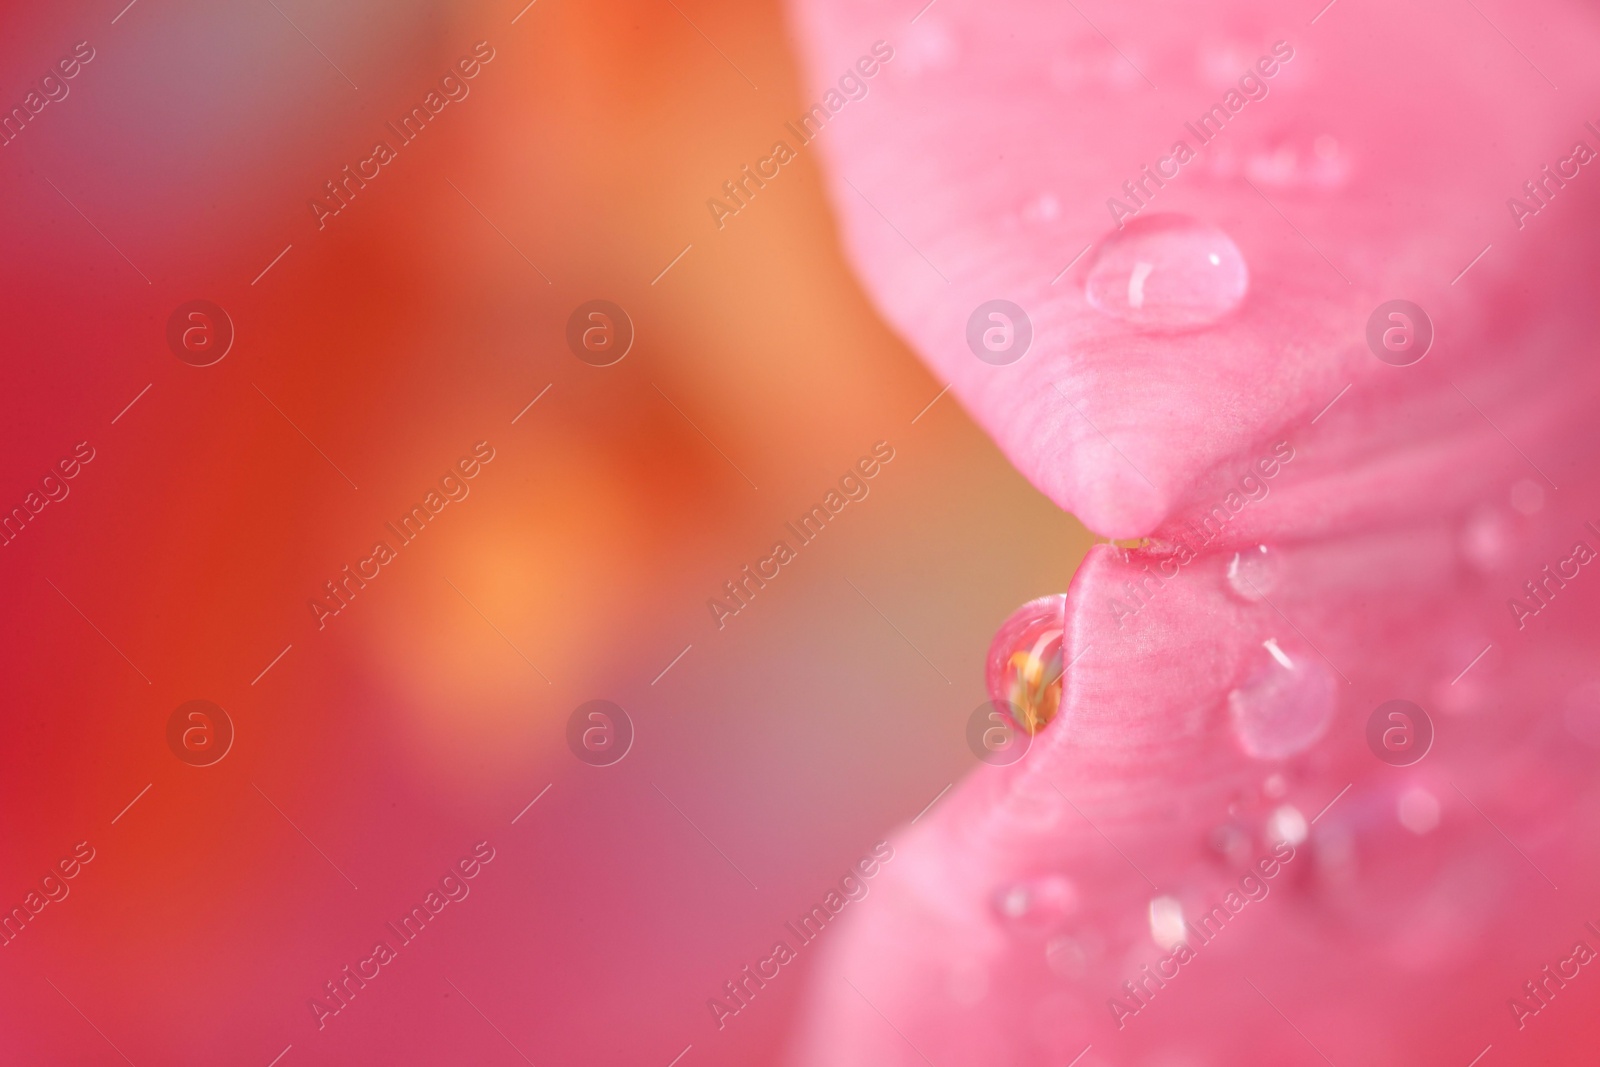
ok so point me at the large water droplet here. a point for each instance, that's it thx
(1168, 272)
(1285, 703)
(1037, 903)
(1253, 573)
(1024, 666)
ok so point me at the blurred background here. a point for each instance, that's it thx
(373, 349)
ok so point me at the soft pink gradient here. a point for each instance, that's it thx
(979, 169)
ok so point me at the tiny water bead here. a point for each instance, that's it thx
(1037, 903)
(1285, 704)
(1323, 164)
(1418, 810)
(1253, 573)
(1286, 824)
(1166, 922)
(1168, 273)
(1024, 667)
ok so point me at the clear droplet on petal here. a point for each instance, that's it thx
(1285, 704)
(1166, 922)
(1418, 810)
(1168, 273)
(1037, 903)
(1253, 573)
(1025, 665)
(1287, 165)
(1286, 824)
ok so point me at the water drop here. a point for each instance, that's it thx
(1418, 810)
(1285, 703)
(1037, 903)
(1169, 273)
(1253, 573)
(1287, 824)
(1166, 922)
(1024, 665)
(1285, 165)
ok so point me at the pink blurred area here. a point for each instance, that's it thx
(423, 318)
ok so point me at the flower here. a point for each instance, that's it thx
(1338, 508)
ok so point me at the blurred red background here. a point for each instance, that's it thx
(378, 750)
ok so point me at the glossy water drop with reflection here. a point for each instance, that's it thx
(1024, 665)
(1253, 573)
(1284, 704)
(1168, 273)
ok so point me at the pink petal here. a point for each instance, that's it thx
(1143, 776)
(1417, 906)
(988, 147)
